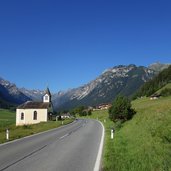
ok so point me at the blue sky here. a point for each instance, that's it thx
(64, 43)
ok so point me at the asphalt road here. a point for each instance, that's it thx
(70, 148)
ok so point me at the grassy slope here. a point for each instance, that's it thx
(166, 86)
(143, 143)
(7, 120)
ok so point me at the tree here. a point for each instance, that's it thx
(121, 109)
(81, 110)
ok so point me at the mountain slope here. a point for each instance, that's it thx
(10, 93)
(35, 95)
(163, 78)
(158, 67)
(117, 80)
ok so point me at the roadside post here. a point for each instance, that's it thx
(62, 122)
(7, 134)
(112, 133)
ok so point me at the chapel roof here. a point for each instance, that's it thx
(33, 105)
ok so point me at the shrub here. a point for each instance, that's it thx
(121, 109)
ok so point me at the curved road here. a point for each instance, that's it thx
(70, 148)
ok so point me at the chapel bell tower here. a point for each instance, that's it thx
(47, 96)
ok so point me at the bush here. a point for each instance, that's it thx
(89, 112)
(121, 109)
(85, 112)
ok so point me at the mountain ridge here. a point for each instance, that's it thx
(121, 79)
(105, 87)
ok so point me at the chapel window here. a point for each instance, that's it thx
(46, 98)
(22, 116)
(35, 115)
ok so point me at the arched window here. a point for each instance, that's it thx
(46, 97)
(22, 116)
(35, 115)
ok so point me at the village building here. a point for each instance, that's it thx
(65, 116)
(103, 106)
(154, 96)
(35, 112)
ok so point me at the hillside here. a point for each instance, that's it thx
(150, 87)
(10, 93)
(164, 91)
(143, 143)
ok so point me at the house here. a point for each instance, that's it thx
(65, 116)
(154, 96)
(103, 106)
(35, 112)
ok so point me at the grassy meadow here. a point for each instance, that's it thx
(7, 120)
(141, 144)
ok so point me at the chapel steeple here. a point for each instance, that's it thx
(47, 96)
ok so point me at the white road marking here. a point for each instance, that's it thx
(99, 155)
(63, 136)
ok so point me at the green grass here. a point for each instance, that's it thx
(143, 143)
(166, 86)
(7, 120)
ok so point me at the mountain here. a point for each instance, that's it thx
(158, 67)
(117, 80)
(35, 95)
(113, 81)
(159, 81)
(9, 93)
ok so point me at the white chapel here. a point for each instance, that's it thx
(34, 112)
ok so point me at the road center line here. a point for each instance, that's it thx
(6, 167)
(64, 136)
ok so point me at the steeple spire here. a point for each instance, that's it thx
(48, 91)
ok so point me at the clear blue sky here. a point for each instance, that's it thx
(68, 43)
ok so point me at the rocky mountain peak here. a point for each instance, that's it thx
(157, 66)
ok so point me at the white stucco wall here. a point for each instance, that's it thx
(42, 116)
